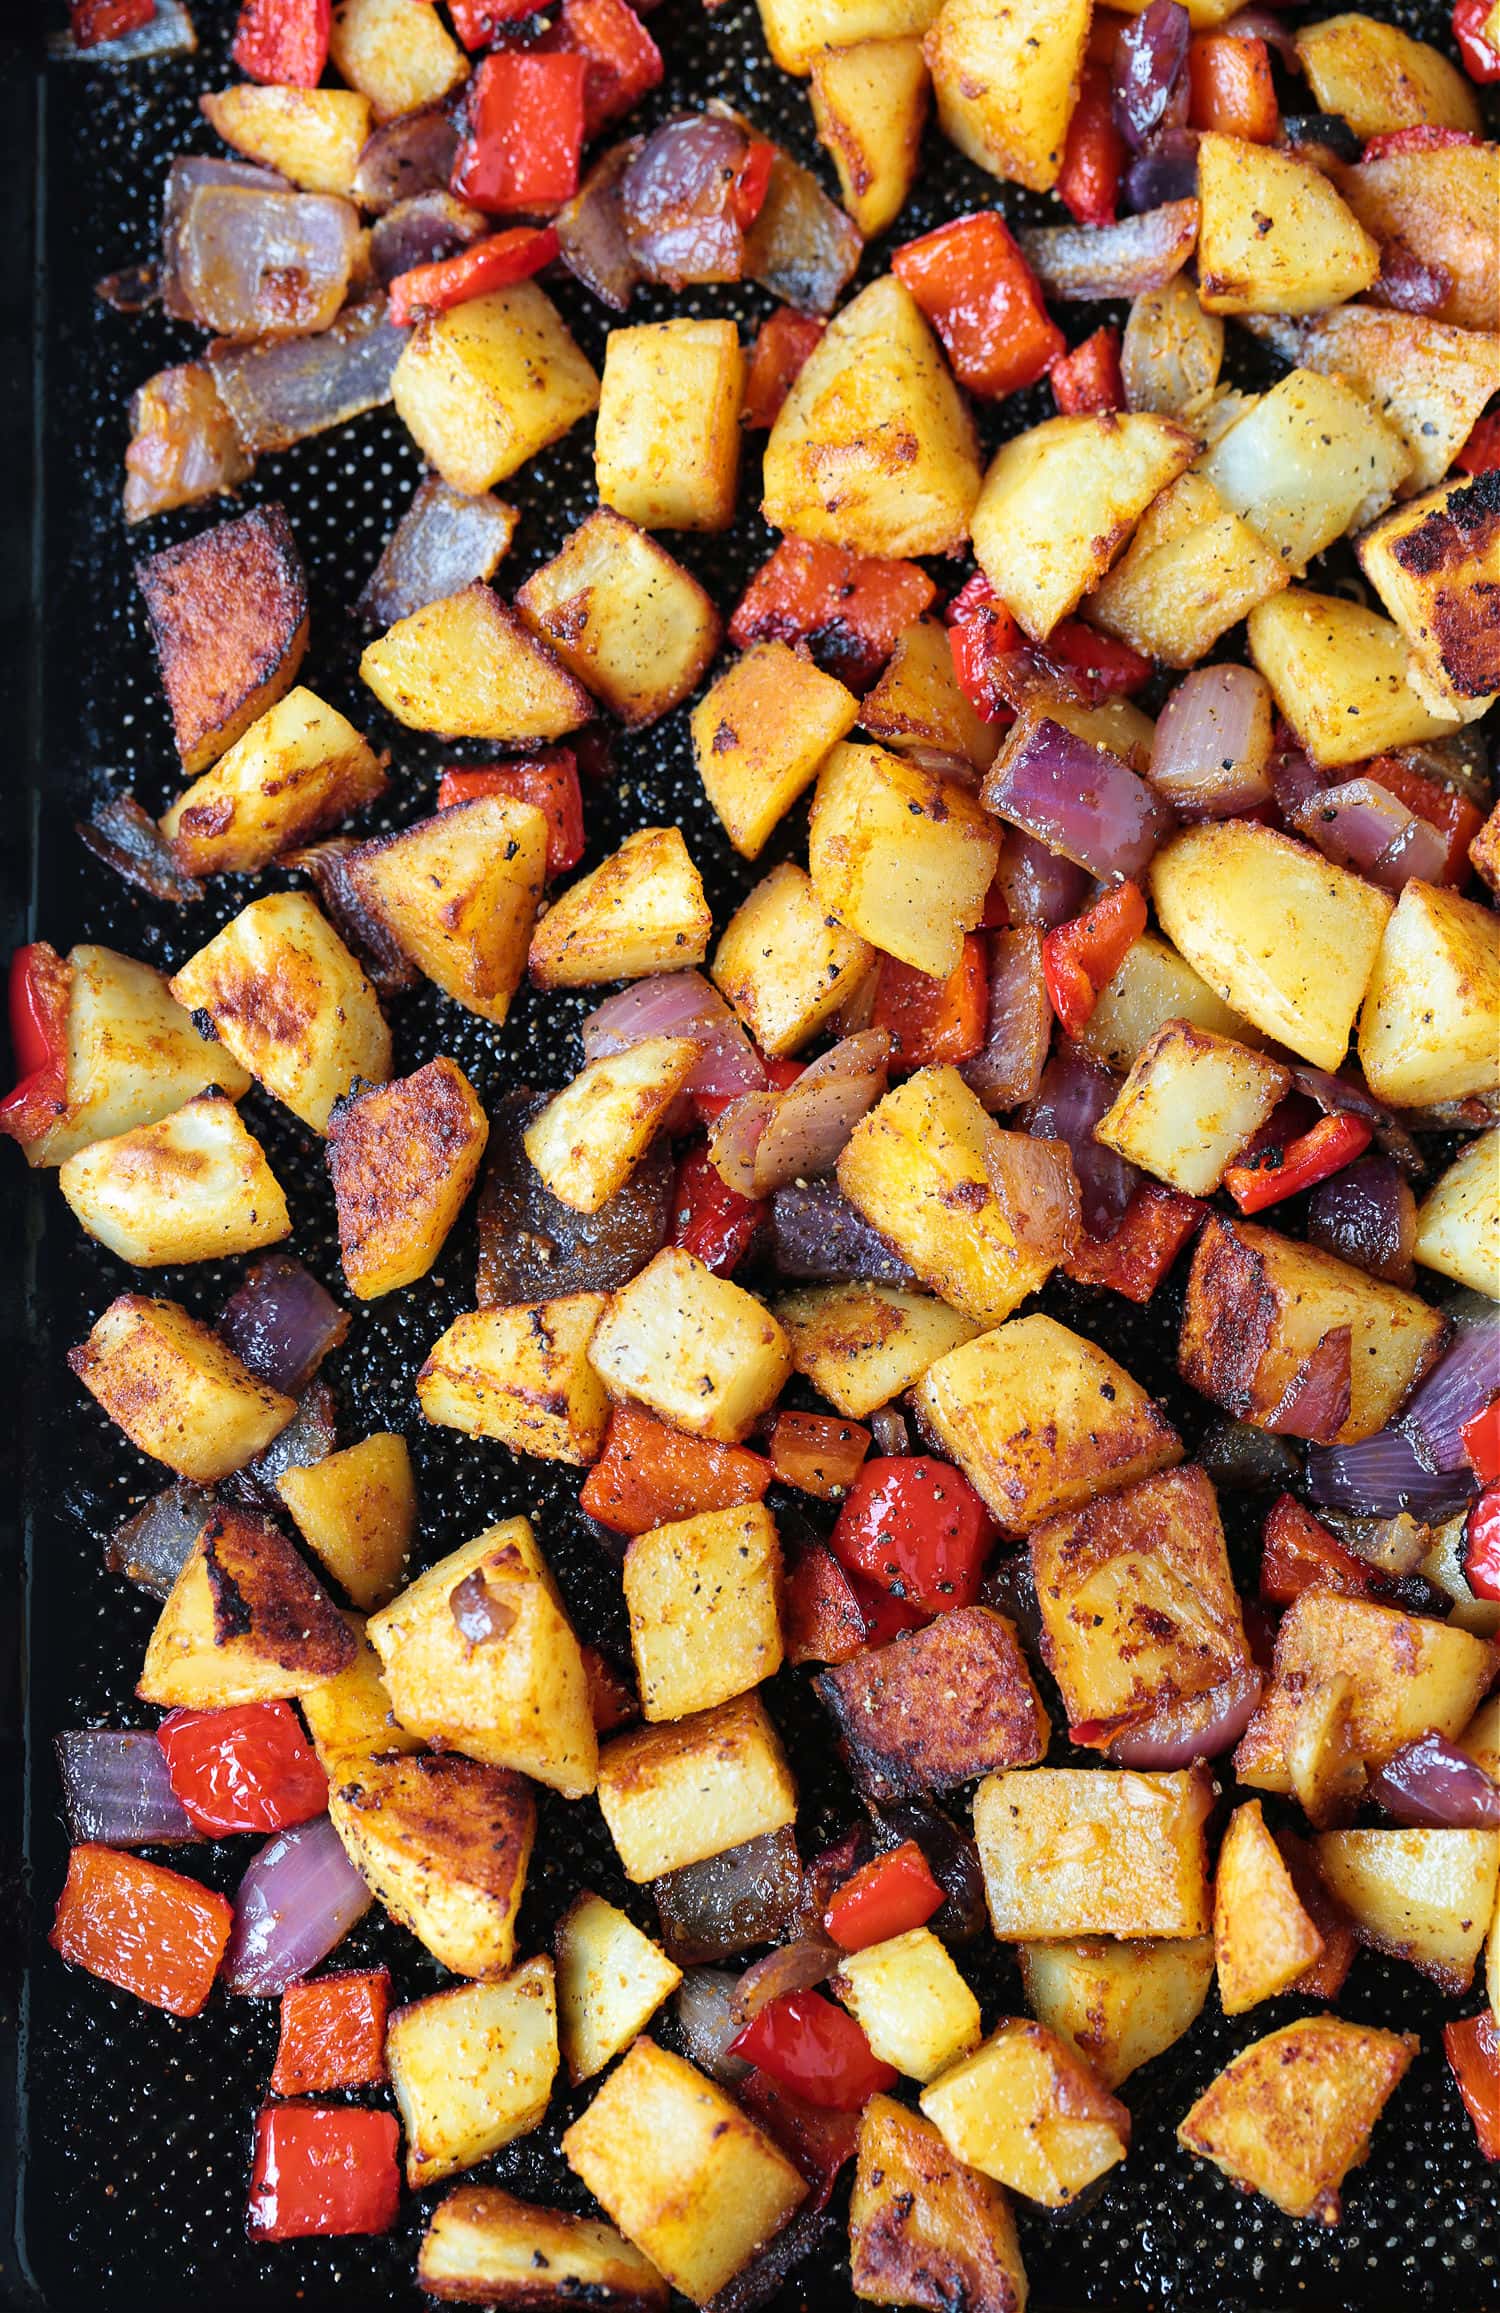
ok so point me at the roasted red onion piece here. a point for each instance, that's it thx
(1018, 1026)
(1367, 1215)
(1038, 886)
(389, 969)
(116, 1790)
(481, 1615)
(1077, 798)
(299, 1898)
(310, 1436)
(1151, 56)
(767, 1140)
(1409, 283)
(1263, 24)
(1010, 1588)
(282, 1323)
(1074, 1093)
(1202, 1727)
(816, 1232)
(591, 237)
(405, 158)
(532, 1247)
(1460, 1385)
(442, 543)
(183, 443)
(288, 389)
(889, 1430)
(1315, 1402)
(749, 1895)
(794, 1967)
(190, 174)
(679, 1004)
(251, 264)
(128, 839)
(1382, 1475)
(151, 1548)
(1213, 742)
(951, 1857)
(1165, 172)
(422, 231)
(706, 2019)
(1431, 1781)
(1362, 825)
(678, 202)
(1238, 1454)
(1335, 1093)
(802, 247)
(1093, 261)
(1172, 350)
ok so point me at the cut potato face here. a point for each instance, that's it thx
(785, 964)
(484, 2248)
(703, 1601)
(1006, 80)
(1025, 2110)
(349, 1715)
(869, 102)
(1118, 2003)
(1154, 985)
(611, 1980)
(472, 2069)
(522, 1374)
(919, 708)
(1189, 1105)
(1428, 1029)
(623, 617)
(399, 66)
(459, 893)
(444, 1843)
(759, 735)
(667, 441)
(486, 385)
(1306, 462)
(863, 1346)
(642, 911)
(1435, 563)
(696, 1348)
(1312, 253)
(1293, 2113)
(1442, 205)
(910, 2002)
(1426, 1896)
(1342, 676)
(358, 1511)
(177, 1391)
(311, 136)
(900, 857)
(403, 1158)
(1070, 1851)
(1191, 572)
(1263, 1938)
(676, 1794)
(588, 1140)
(797, 31)
(300, 768)
(1379, 79)
(195, 1187)
(468, 668)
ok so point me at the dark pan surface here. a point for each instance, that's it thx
(133, 2128)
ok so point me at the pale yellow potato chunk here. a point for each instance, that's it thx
(1314, 253)
(195, 1187)
(1307, 461)
(1189, 1104)
(784, 963)
(1101, 1851)
(1458, 1221)
(924, 2227)
(483, 2247)
(798, 30)
(623, 617)
(640, 911)
(358, 1510)
(521, 1374)
(1006, 75)
(177, 1391)
(919, 708)
(1378, 78)
(283, 1637)
(311, 136)
(299, 768)
(588, 1140)
(1152, 986)
(869, 103)
(1342, 677)
(760, 733)
(902, 858)
(611, 1980)
(1426, 1896)
(459, 894)
(910, 2002)
(673, 1795)
(1026, 2110)
(1430, 1029)
(667, 439)
(1192, 571)
(484, 386)
(702, 1598)
(1292, 2114)
(401, 65)
(468, 668)
(1118, 2003)
(472, 2069)
(697, 1349)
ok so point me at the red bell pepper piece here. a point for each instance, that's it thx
(652, 1475)
(984, 301)
(817, 1453)
(548, 779)
(885, 1615)
(1230, 88)
(246, 1769)
(816, 2050)
(41, 994)
(782, 344)
(1481, 56)
(974, 595)
(323, 2168)
(493, 263)
(612, 1701)
(1298, 1553)
(1444, 808)
(710, 1220)
(1481, 1438)
(1274, 1173)
(92, 21)
(1082, 956)
(816, 2140)
(918, 1529)
(623, 61)
(283, 42)
(1157, 1223)
(1481, 452)
(1425, 137)
(888, 1897)
(931, 1021)
(525, 132)
(752, 182)
(332, 2033)
(849, 607)
(477, 22)
(1482, 1545)
(980, 631)
(821, 1616)
(1108, 668)
(153, 1932)
(1094, 154)
(1088, 379)
(1472, 2048)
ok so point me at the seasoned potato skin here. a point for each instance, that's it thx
(430, 1828)
(403, 1158)
(245, 1622)
(176, 1390)
(229, 618)
(924, 2229)
(937, 1706)
(482, 2247)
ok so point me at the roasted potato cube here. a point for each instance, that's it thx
(1426, 1896)
(403, 1158)
(1306, 462)
(1040, 1420)
(1273, 235)
(1442, 205)
(611, 1980)
(300, 768)
(358, 1510)
(627, 620)
(869, 103)
(228, 615)
(910, 2002)
(982, 1215)
(245, 1622)
(472, 2069)
(177, 1391)
(468, 668)
(685, 2174)
(1080, 1851)
(1006, 79)
(184, 445)
(784, 963)
(1257, 1307)
(920, 709)
(278, 987)
(1435, 563)
(1428, 1028)
(588, 1140)
(1025, 2110)
(1275, 929)
(759, 734)
(459, 894)
(640, 911)
(486, 385)
(1458, 1221)
(479, 1655)
(1405, 1674)
(873, 448)
(349, 1716)
(1378, 78)
(937, 1706)
(1342, 677)
(1059, 502)
(1480, 1739)
(676, 1794)
(1193, 569)
(195, 1187)
(924, 2228)
(400, 65)
(1152, 986)
(444, 1842)
(1292, 2114)
(862, 1346)
(521, 1374)
(903, 858)
(1484, 851)
(1118, 2004)
(702, 1597)
(483, 2248)
(697, 1349)
(1137, 1602)
(1263, 1938)
(311, 136)
(667, 441)
(1190, 1103)
(797, 31)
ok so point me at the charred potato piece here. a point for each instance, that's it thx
(245, 1622)
(195, 1187)
(400, 65)
(521, 1374)
(1190, 1103)
(468, 668)
(1426, 1896)
(910, 2002)
(622, 616)
(1071, 1851)
(760, 733)
(1435, 563)
(936, 1707)
(481, 2247)
(358, 1511)
(311, 136)
(298, 769)
(177, 1391)
(1118, 2003)
(869, 102)
(926, 2229)
(472, 2069)
(1458, 1222)
(703, 1602)
(863, 1346)
(641, 911)
(904, 859)
(228, 613)
(459, 894)
(1427, 1031)
(1313, 252)
(674, 1795)
(611, 1980)
(785, 964)
(1025, 2110)
(588, 1139)
(1006, 80)
(488, 384)
(697, 1349)
(402, 1158)
(444, 1843)
(667, 440)
(1263, 1938)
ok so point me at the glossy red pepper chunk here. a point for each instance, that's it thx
(332, 2033)
(477, 22)
(934, 1021)
(710, 1220)
(548, 779)
(1481, 55)
(525, 132)
(493, 263)
(886, 1616)
(283, 43)
(1481, 452)
(917, 1529)
(1088, 379)
(975, 287)
(1472, 2048)
(1482, 1545)
(1108, 668)
(981, 631)
(1081, 957)
(1423, 137)
(816, 2050)
(1445, 808)
(1298, 1553)
(153, 1932)
(889, 1897)
(848, 608)
(93, 21)
(1157, 1223)
(1094, 154)
(323, 2168)
(752, 182)
(1275, 1172)
(782, 344)
(40, 994)
(246, 1769)
(623, 61)
(1481, 1438)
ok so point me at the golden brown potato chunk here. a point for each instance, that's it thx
(521, 1374)
(624, 617)
(1378, 78)
(1444, 206)
(1006, 76)
(1026, 2110)
(1428, 1030)
(1119, 2003)
(926, 2229)
(458, 893)
(299, 768)
(245, 1622)
(486, 385)
(402, 1158)
(444, 1842)
(667, 438)
(697, 1349)
(472, 2069)
(228, 613)
(703, 1596)
(1274, 237)
(1435, 563)
(195, 1187)
(675, 1794)
(759, 734)
(1094, 1851)
(641, 911)
(358, 1510)
(936, 1707)
(467, 667)
(1425, 1895)
(1263, 1938)
(177, 1391)
(484, 2248)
